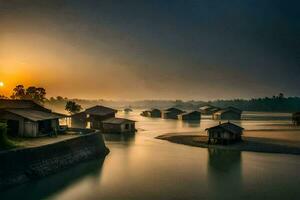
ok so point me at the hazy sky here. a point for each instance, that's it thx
(151, 49)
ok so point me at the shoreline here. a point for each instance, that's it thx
(22, 165)
(249, 144)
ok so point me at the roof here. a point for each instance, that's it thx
(214, 109)
(16, 104)
(230, 127)
(173, 110)
(61, 115)
(191, 112)
(34, 115)
(127, 109)
(208, 107)
(204, 107)
(117, 121)
(147, 111)
(229, 109)
(155, 110)
(100, 110)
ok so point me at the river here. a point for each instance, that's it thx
(140, 167)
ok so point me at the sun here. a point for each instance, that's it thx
(1, 84)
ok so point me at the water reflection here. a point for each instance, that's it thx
(223, 161)
(127, 138)
(56, 183)
(191, 124)
(224, 172)
(140, 167)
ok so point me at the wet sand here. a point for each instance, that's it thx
(249, 143)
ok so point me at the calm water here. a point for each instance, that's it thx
(140, 167)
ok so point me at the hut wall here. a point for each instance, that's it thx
(128, 127)
(30, 129)
(229, 136)
(55, 124)
(227, 116)
(155, 113)
(20, 120)
(111, 128)
(170, 115)
(79, 120)
(96, 120)
(192, 116)
(216, 116)
(218, 134)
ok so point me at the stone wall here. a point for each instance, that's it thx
(22, 165)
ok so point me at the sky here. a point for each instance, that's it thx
(151, 49)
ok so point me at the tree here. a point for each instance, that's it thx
(36, 94)
(18, 92)
(3, 97)
(281, 95)
(72, 107)
(59, 98)
(52, 99)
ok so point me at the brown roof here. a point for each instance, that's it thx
(209, 108)
(15, 104)
(173, 110)
(34, 115)
(100, 110)
(155, 110)
(191, 112)
(230, 127)
(229, 109)
(117, 121)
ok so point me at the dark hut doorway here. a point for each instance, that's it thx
(45, 127)
(12, 127)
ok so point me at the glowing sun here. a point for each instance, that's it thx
(1, 84)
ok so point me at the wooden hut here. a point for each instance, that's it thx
(208, 109)
(127, 110)
(26, 118)
(145, 113)
(296, 118)
(118, 125)
(229, 113)
(224, 133)
(154, 113)
(190, 116)
(93, 117)
(171, 113)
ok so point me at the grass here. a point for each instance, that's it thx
(5, 142)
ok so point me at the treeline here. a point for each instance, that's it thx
(37, 94)
(268, 104)
(278, 103)
(59, 103)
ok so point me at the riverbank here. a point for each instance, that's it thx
(24, 164)
(252, 144)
